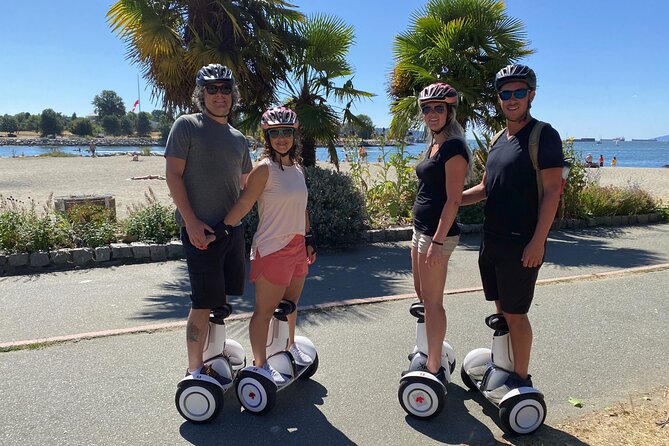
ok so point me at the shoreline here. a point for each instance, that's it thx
(36, 178)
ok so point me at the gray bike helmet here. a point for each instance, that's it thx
(439, 92)
(213, 73)
(516, 72)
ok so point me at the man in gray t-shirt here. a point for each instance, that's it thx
(207, 164)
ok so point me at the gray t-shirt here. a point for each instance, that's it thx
(216, 156)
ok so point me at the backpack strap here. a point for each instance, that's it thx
(535, 134)
(496, 137)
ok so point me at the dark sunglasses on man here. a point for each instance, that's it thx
(275, 133)
(518, 94)
(213, 89)
(438, 109)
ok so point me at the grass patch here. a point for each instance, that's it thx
(57, 154)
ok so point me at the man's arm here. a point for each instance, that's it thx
(475, 193)
(552, 181)
(194, 227)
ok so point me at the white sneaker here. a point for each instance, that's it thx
(276, 376)
(301, 358)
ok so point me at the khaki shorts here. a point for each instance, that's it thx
(423, 242)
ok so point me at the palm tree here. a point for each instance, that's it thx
(318, 61)
(463, 43)
(171, 39)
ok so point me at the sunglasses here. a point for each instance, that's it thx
(275, 133)
(439, 109)
(213, 89)
(518, 94)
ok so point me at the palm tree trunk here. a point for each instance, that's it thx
(308, 151)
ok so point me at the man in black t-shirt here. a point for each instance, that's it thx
(516, 222)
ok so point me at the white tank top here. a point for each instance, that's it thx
(281, 208)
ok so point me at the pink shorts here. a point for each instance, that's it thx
(279, 268)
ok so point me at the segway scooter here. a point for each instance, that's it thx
(199, 397)
(256, 390)
(521, 410)
(421, 394)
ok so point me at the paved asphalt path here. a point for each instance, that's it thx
(80, 301)
(595, 339)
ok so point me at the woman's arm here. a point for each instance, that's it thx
(456, 170)
(255, 185)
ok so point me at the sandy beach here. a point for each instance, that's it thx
(37, 178)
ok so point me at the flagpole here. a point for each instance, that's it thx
(138, 98)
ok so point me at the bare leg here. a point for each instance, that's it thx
(432, 283)
(292, 294)
(268, 297)
(196, 334)
(520, 331)
(416, 273)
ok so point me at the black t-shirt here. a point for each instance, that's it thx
(512, 209)
(431, 196)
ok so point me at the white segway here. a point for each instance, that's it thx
(199, 397)
(521, 410)
(421, 394)
(256, 390)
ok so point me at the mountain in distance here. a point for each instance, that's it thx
(663, 138)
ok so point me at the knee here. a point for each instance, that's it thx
(433, 306)
(516, 320)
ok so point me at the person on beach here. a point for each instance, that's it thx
(91, 149)
(614, 162)
(283, 245)
(516, 224)
(207, 165)
(441, 178)
(601, 160)
(588, 160)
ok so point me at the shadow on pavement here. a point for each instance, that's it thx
(385, 268)
(302, 424)
(593, 248)
(455, 425)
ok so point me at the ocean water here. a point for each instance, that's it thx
(627, 153)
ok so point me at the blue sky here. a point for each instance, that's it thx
(602, 65)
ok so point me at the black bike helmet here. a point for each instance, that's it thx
(278, 117)
(439, 92)
(516, 72)
(213, 73)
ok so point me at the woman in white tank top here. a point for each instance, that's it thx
(281, 248)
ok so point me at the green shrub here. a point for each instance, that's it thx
(471, 214)
(23, 229)
(336, 207)
(91, 226)
(151, 221)
(611, 200)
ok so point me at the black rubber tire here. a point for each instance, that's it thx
(427, 388)
(311, 370)
(209, 395)
(526, 405)
(259, 385)
(467, 380)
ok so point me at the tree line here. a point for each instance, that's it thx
(110, 119)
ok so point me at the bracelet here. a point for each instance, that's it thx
(437, 243)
